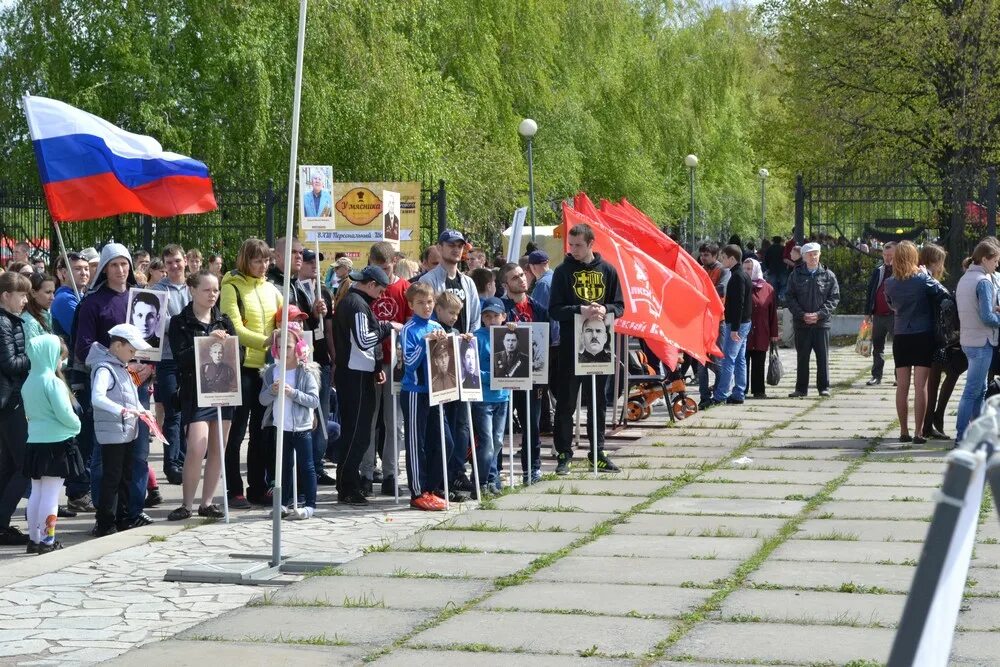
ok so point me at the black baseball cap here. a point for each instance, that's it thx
(370, 274)
(310, 256)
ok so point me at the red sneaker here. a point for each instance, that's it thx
(425, 504)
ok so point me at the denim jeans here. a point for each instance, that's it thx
(733, 369)
(971, 402)
(319, 434)
(166, 387)
(301, 442)
(138, 478)
(489, 421)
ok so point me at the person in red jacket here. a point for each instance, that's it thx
(763, 326)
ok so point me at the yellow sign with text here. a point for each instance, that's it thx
(360, 223)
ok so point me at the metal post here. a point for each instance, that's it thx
(690, 229)
(531, 191)
(800, 209)
(269, 199)
(763, 210)
(147, 233)
(991, 201)
(442, 203)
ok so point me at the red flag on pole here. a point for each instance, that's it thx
(646, 287)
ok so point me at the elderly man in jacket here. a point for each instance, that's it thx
(813, 295)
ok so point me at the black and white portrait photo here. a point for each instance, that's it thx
(510, 349)
(540, 352)
(396, 363)
(390, 217)
(594, 338)
(468, 366)
(218, 364)
(147, 310)
(442, 361)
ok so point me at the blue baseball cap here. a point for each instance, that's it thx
(538, 257)
(370, 273)
(451, 236)
(491, 304)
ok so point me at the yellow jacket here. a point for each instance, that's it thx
(251, 304)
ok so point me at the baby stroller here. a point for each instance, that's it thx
(646, 387)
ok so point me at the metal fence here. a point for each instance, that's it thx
(243, 213)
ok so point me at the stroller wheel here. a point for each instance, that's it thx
(683, 407)
(648, 411)
(634, 410)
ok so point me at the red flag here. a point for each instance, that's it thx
(632, 224)
(646, 286)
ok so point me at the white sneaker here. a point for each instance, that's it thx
(306, 512)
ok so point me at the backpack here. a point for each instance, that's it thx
(946, 327)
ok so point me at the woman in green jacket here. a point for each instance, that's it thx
(251, 303)
(53, 425)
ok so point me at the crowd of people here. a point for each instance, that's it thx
(77, 405)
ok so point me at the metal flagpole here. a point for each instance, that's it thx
(395, 443)
(65, 258)
(579, 417)
(593, 418)
(222, 461)
(527, 434)
(444, 456)
(286, 290)
(319, 292)
(614, 411)
(472, 445)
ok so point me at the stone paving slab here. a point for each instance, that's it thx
(557, 633)
(705, 525)
(403, 563)
(893, 578)
(848, 552)
(409, 657)
(754, 507)
(890, 469)
(862, 509)
(848, 433)
(612, 599)
(820, 450)
(619, 487)
(748, 490)
(982, 614)
(804, 465)
(567, 503)
(649, 571)
(175, 653)
(975, 648)
(657, 546)
(801, 607)
(768, 476)
(872, 480)
(390, 592)
(861, 529)
(486, 542)
(522, 520)
(897, 493)
(334, 624)
(785, 642)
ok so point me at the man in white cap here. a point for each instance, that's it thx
(813, 295)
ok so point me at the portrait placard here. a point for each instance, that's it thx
(217, 362)
(147, 310)
(468, 370)
(540, 352)
(316, 198)
(390, 217)
(396, 363)
(442, 369)
(593, 340)
(510, 350)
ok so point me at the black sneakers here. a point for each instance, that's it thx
(12, 537)
(604, 464)
(153, 497)
(211, 512)
(388, 485)
(179, 514)
(562, 468)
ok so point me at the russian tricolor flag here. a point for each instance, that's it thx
(92, 169)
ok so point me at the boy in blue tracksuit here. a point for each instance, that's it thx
(423, 439)
(489, 418)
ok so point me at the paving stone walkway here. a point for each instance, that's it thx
(778, 532)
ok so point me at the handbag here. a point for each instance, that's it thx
(863, 344)
(775, 370)
(74, 460)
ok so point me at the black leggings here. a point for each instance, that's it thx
(260, 450)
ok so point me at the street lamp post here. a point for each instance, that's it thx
(527, 129)
(762, 175)
(691, 161)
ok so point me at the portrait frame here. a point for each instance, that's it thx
(396, 366)
(311, 218)
(223, 388)
(540, 352)
(442, 385)
(391, 211)
(585, 362)
(470, 382)
(144, 298)
(510, 374)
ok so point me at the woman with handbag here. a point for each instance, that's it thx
(763, 326)
(911, 294)
(53, 425)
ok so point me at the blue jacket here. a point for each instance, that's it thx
(63, 309)
(912, 302)
(47, 403)
(309, 207)
(415, 353)
(482, 335)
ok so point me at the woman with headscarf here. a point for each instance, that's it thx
(763, 326)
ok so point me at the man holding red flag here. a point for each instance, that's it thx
(585, 284)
